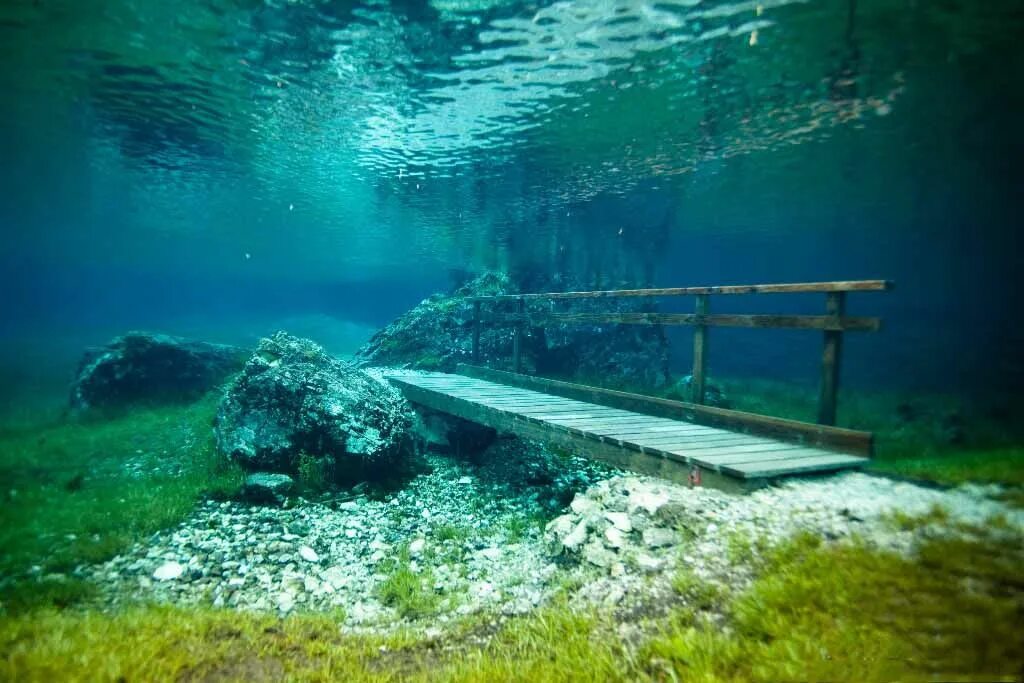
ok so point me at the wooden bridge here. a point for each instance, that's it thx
(682, 441)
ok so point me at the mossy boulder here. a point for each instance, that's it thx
(437, 334)
(294, 401)
(145, 368)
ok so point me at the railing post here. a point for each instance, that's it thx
(476, 332)
(835, 307)
(700, 359)
(517, 345)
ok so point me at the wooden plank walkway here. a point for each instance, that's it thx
(630, 439)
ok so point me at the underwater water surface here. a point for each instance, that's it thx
(226, 222)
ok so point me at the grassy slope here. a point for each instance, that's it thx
(79, 492)
(815, 613)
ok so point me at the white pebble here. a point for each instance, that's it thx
(168, 571)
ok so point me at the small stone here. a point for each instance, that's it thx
(490, 553)
(465, 480)
(658, 537)
(596, 554)
(308, 554)
(560, 526)
(575, 538)
(416, 547)
(267, 487)
(614, 538)
(581, 504)
(614, 596)
(236, 581)
(648, 563)
(286, 601)
(650, 501)
(168, 571)
(336, 576)
(620, 520)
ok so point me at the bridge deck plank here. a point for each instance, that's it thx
(663, 442)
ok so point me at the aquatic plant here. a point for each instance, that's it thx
(816, 612)
(849, 613)
(410, 593)
(80, 492)
(451, 532)
(314, 473)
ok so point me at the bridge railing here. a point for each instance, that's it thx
(833, 323)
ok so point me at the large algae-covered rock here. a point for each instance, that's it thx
(608, 354)
(151, 368)
(293, 400)
(437, 334)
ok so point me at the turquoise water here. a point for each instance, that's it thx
(259, 158)
(221, 170)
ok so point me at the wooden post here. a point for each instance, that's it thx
(476, 332)
(835, 307)
(517, 344)
(700, 359)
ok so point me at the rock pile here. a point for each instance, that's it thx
(470, 532)
(628, 518)
(293, 399)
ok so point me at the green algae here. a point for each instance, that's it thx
(850, 613)
(78, 492)
(411, 593)
(815, 612)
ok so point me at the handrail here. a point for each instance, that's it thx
(832, 324)
(835, 286)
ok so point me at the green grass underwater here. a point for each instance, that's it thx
(78, 492)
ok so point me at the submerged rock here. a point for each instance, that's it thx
(437, 334)
(293, 399)
(151, 368)
(267, 487)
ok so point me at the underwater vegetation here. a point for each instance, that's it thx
(934, 438)
(815, 612)
(81, 491)
(825, 604)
